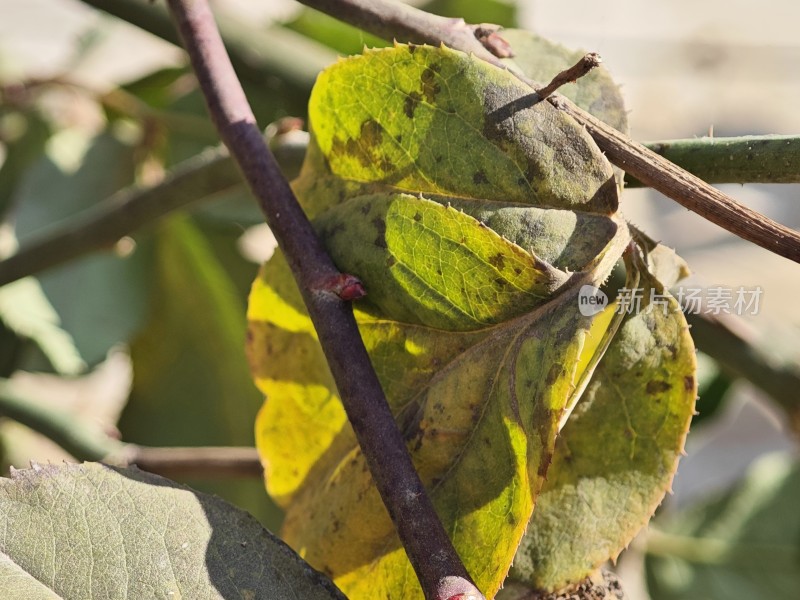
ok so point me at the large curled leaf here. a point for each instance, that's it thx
(742, 544)
(616, 456)
(474, 221)
(475, 336)
(92, 531)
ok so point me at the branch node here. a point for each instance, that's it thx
(486, 34)
(457, 588)
(345, 286)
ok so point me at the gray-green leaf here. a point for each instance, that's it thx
(93, 531)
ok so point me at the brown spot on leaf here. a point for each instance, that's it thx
(544, 465)
(498, 261)
(553, 374)
(411, 103)
(418, 216)
(429, 86)
(688, 383)
(365, 147)
(656, 386)
(479, 177)
(380, 225)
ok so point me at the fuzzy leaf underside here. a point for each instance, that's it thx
(436, 121)
(92, 531)
(616, 456)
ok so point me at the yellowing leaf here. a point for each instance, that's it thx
(479, 410)
(474, 219)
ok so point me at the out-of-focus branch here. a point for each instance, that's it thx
(259, 55)
(100, 227)
(210, 462)
(77, 438)
(85, 442)
(740, 353)
(746, 159)
(438, 567)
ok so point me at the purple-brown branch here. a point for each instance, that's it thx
(424, 538)
(390, 20)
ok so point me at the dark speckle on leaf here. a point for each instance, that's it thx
(498, 261)
(553, 374)
(410, 104)
(688, 383)
(418, 216)
(429, 86)
(479, 177)
(365, 147)
(656, 386)
(380, 225)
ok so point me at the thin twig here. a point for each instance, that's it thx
(212, 462)
(85, 442)
(389, 20)
(393, 20)
(424, 538)
(576, 71)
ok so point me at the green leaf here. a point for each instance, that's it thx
(742, 544)
(479, 278)
(617, 454)
(92, 531)
(191, 385)
(24, 309)
(101, 299)
(418, 108)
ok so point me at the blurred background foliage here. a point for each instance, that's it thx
(145, 339)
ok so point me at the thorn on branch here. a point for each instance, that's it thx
(576, 71)
(486, 34)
